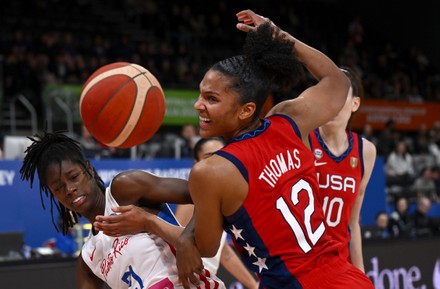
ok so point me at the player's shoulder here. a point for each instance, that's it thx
(368, 154)
(216, 173)
(129, 177)
(215, 166)
(369, 147)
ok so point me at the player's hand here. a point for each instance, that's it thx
(126, 220)
(250, 20)
(188, 260)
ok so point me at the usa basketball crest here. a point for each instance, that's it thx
(317, 153)
(354, 162)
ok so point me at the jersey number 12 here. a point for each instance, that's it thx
(300, 234)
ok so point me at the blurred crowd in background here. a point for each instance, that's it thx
(50, 41)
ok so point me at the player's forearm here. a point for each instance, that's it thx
(234, 265)
(356, 248)
(316, 62)
(165, 230)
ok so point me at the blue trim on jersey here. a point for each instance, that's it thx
(276, 276)
(292, 122)
(167, 215)
(327, 150)
(236, 162)
(309, 138)
(253, 133)
(264, 126)
(361, 153)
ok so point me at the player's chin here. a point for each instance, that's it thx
(208, 134)
(204, 130)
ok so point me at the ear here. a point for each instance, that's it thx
(356, 102)
(247, 110)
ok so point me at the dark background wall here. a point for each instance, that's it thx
(407, 23)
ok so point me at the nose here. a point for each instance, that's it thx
(198, 104)
(70, 188)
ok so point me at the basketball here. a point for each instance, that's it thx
(122, 105)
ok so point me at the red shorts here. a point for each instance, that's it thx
(339, 274)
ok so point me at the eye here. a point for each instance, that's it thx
(212, 99)
(59, 188)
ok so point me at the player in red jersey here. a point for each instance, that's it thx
(262, 186)
(344, 162)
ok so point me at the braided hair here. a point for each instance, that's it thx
(268, 64)
(48, 149)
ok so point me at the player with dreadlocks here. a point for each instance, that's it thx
(45, 151)
(75, 189)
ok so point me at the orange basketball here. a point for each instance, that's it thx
(122, 105)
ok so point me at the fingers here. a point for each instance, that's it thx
(250, 20)
(243, 27)
(122, 209)
(107, 224)
(246, 16)
(112, 230)
(185, 283)
(193, 278)
(246, 19)
(104, 227)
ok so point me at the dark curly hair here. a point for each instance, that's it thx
(267, 64)
(48, 149)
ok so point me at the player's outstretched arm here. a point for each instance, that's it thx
(134, 186)
(132, 219)
(135, 189)
(319, 103)
(188, 259)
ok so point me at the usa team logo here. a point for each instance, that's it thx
(317, 153)
(354, 162)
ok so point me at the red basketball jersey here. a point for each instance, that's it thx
(339, 178)
(279, 230)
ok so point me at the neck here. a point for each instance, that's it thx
(253, 125)
(98, 208)
(335, 139)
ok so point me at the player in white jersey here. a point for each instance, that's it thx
(140, 260)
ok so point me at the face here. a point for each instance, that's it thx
(402, 205)
(382, 221)
(424, 205)
(188, 131)
(351, 105)
(73, 187)
(218, 107)
(401, 147)
(209, 148)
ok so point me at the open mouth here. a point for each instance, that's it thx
(204, 120)
(78, 201)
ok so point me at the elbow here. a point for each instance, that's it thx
(341, 84)
(207, 253)
(207, 250)
(344, 89)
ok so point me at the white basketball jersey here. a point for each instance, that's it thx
(135, 261)
(213, 263)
